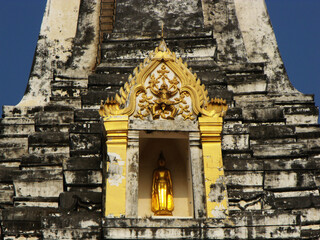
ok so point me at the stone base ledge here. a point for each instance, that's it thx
(256, 225)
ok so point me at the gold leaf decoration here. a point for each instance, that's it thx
(163, 96)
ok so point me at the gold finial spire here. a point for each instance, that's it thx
(162, 31)
(162, 46)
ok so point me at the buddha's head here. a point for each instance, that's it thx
(161, 160)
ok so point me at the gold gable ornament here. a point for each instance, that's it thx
(164, 88)
(162, 96)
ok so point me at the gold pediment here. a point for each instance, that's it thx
(163, 87)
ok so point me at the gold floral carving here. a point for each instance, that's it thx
(163, 105)
(168, 95)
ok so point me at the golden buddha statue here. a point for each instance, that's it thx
(162, 196)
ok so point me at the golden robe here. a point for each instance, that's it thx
(162, 194)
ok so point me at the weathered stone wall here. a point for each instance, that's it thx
(66, 48)
(51, 144)
(50, 162)
(137, 19)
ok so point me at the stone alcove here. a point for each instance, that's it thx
(175, 148)
(164, 107)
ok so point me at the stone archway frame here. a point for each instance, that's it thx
(209, 114)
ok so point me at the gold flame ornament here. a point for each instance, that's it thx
(162, 193)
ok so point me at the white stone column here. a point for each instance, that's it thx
(197, 175)
(132, 174)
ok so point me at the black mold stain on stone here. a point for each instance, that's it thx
(84, 36)
(220, 198)
(217, 191)
(16, 111)
(86, 7)
(146, 16)
(28, 88)
(88, 36)
(40, 55)
(34, 110)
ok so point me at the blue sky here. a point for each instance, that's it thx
(296, 25)
(20, 22)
